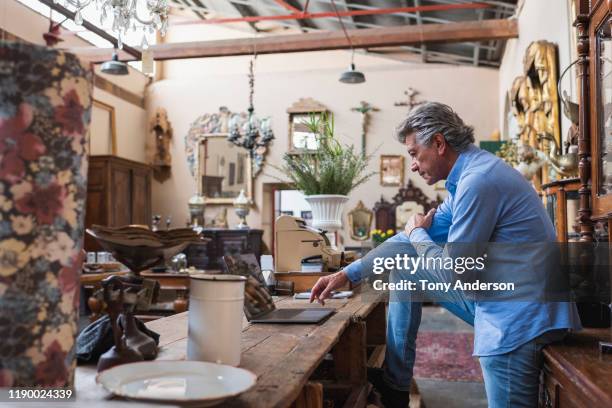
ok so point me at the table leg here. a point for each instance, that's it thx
(311, 396)
(376, 325)
(350, 355)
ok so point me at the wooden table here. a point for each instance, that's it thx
(294, 363)
(172, 281)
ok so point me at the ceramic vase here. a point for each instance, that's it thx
(327, 210)
(45, 101)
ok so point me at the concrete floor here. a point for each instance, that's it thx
(448, 394)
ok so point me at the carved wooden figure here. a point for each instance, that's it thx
(161, 134)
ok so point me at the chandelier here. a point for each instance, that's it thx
(252, 134)
(125, 14)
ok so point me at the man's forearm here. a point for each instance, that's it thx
(356, 270)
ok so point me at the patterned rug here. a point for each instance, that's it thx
(446, 356)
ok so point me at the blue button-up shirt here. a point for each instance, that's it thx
(489, 201)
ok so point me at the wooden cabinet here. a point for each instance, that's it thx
(118, 193)
(223, 242)
(575, 374)
(600, 98)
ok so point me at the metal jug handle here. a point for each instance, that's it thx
(562, 75)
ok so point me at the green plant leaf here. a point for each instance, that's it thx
(332, 169)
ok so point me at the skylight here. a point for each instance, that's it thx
(92, 14)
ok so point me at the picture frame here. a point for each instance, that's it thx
(306, 215)
(391, 170)
(103, 129)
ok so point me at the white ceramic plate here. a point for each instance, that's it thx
(184, 382)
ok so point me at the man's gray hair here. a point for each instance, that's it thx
(431, 118)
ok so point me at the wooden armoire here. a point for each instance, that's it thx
(118, 193)
(577, 373)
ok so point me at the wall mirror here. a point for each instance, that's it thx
(220, 168)
(300, 138)
(224, 170)
(360, 221)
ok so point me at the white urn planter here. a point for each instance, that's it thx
(327, 210)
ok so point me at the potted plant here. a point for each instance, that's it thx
(327, 175)
(380, 236)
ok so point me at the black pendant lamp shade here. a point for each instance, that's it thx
(352, 76)
(114, 66)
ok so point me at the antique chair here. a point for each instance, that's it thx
(408, 201)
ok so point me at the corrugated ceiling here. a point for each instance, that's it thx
(485, 53)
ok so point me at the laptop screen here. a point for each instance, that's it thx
(257, 298)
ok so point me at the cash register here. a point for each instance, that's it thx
(299, 249)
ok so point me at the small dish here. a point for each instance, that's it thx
(188, 383)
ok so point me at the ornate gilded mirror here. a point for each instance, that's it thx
(300, 138)
(220, 168)
(360, 221)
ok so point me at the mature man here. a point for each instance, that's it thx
(488, 202)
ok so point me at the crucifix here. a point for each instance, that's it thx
(364, 108)
(411, 93)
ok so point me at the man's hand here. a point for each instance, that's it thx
(322, 289)
(419, 221)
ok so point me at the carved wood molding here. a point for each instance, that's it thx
(584, 138)
(412, 193)
(384, 211)
(307, 105)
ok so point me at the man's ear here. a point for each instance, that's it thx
(440, 143)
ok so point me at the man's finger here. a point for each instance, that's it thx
(315, 290)
(325, 294)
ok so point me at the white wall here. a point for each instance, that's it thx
(195, 87)
(538, 20)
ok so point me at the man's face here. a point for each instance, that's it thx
(428, 161)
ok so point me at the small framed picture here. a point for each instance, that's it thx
(103, 129)
(287, 213)
(391, 170)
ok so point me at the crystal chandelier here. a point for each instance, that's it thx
(125, 14)
(254, 134)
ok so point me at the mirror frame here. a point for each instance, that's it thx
(303, 106)
(199, 173)
(360, 208)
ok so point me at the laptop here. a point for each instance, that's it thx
(259, 305)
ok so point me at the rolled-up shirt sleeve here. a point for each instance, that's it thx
(438, 230)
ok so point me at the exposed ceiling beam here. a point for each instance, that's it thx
(352, 13)
(361, 38)
(91, 27)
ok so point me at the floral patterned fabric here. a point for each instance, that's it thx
(45, 101)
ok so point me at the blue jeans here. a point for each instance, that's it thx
(511, 379)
